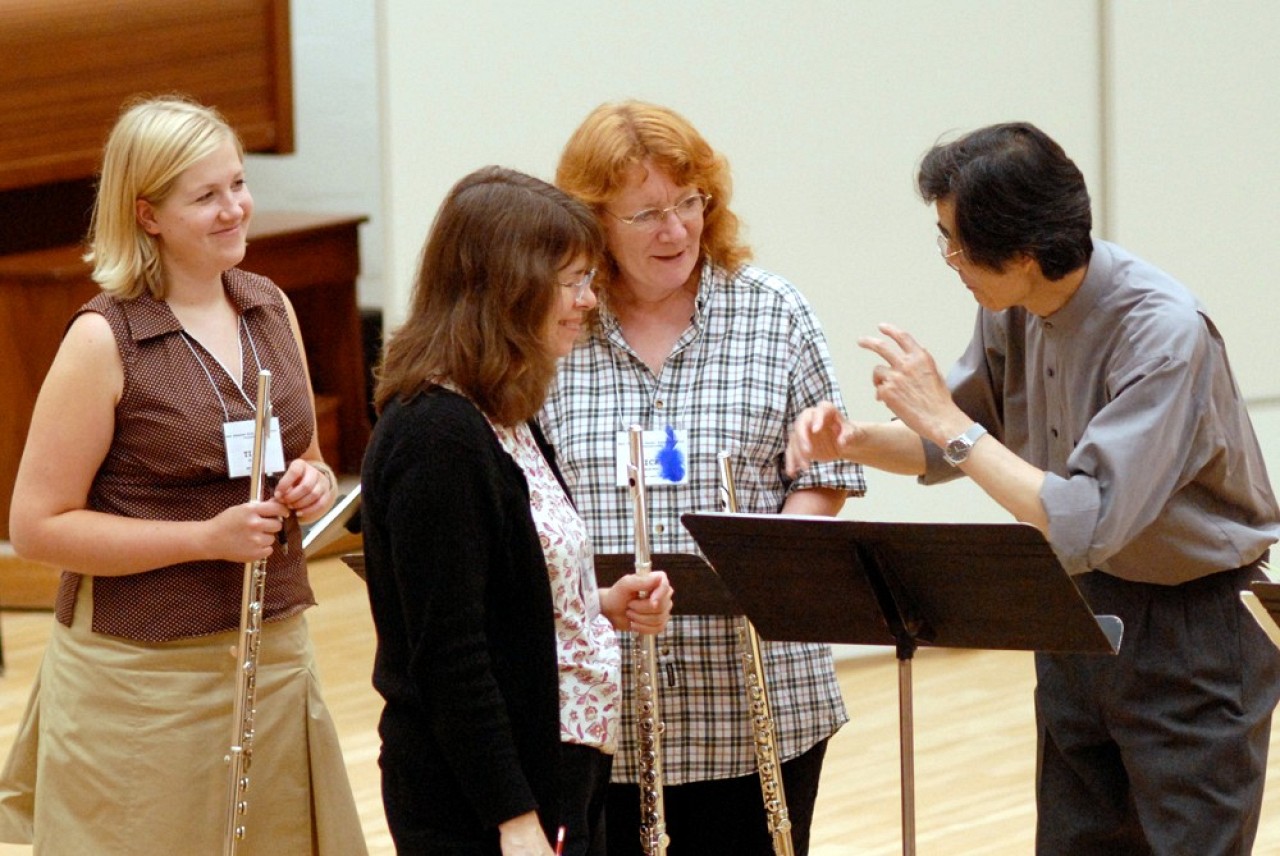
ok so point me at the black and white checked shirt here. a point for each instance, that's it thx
(752, 358)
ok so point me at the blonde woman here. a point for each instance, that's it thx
(130, 482)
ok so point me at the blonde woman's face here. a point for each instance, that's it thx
(201, 227)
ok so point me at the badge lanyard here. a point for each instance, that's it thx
(666, 450)
(238, 435)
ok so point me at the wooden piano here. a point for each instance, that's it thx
(68, 66)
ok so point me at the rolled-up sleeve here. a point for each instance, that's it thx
(1075, 504)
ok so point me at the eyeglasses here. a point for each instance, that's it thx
(652, 219)
(580, 287)
(944, 247)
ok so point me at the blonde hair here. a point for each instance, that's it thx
(618, 137)
(152, 143)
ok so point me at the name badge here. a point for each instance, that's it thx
(239, 442)
(665, 457)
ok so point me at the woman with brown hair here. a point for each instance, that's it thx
(497, 656)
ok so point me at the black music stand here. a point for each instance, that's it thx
(1263, 600)
(990, 586)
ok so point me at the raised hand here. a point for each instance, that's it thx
(910, 384)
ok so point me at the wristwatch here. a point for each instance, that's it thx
(956, 452)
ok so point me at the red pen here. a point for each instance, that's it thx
(560, 841)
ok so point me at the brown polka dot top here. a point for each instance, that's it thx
(168, 461)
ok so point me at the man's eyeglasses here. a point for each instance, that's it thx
(580, 287)
(652, 219)
(949, 255)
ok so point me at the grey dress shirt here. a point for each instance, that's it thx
(1126, 399)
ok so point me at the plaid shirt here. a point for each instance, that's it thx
(750, 361)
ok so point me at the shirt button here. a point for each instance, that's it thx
(659, 528)
(1051, 372)
(1054, 432)
(657, 404)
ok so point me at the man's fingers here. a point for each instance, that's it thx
(905, 340)
(879, 346)
(900, 344)
(897, 334)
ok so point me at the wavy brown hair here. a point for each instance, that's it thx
(617, 137)
(486, 284)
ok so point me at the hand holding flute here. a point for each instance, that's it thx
(246, 532)
(641, 604)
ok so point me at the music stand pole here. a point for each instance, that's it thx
(906, 750)
(899, 620)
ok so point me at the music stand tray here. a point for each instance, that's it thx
(1263, 600)
(336, 524)
(829, 580)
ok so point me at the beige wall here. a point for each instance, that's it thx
(1195, 170)
(823, 109)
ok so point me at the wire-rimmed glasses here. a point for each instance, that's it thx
(652, 219)
(949, 255)
(581, 286)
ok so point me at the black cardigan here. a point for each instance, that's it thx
(466, 659)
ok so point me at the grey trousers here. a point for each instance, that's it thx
(1161, 749)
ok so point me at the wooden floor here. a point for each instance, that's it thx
(974, 738)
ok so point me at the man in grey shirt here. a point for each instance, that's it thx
(1095, 402)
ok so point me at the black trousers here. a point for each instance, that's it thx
(1161, 749)
(584, 779)
(724, 817)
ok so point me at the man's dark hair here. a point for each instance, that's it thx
(1014, 190)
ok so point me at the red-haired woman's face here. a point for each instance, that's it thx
(659, 258)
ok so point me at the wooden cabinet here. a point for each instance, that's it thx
(69, 64)
(314, 258)
(68, 67)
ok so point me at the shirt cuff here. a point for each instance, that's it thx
(936, 468)
(1073, 506)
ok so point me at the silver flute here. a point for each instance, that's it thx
(649, 727)
(247, 646)
(762, 726)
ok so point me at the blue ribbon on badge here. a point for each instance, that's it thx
(670, 459)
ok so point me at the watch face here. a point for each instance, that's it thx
(957, 450)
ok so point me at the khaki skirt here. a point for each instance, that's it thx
(122, 749)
